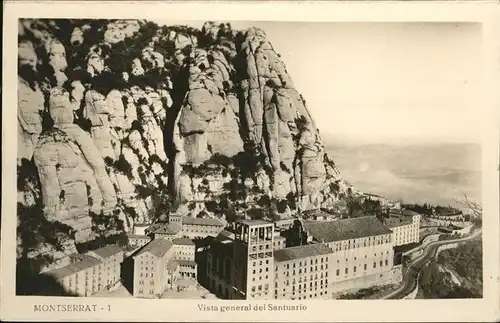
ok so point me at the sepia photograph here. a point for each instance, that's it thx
(179, 161)
(248, 160)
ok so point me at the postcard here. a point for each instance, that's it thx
(250, 161)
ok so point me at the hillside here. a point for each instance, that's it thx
(124, 121)
(457, 273)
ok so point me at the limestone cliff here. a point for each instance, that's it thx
(122, 121)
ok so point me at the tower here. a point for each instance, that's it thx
(253, 275)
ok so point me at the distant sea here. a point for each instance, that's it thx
(433, 173)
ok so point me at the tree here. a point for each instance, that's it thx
(296, 235)
(473, 206)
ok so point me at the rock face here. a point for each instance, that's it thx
(148, 118)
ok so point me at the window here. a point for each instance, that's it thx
(346, 271)
(381, 263)
(387, 262)
(354, 268)
(374, 264)
(365, 266)
(338, 272)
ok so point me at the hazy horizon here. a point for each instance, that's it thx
(435, 173)
(382, 81)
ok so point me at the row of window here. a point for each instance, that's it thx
(300, 271)
(365, 267)
(151, 282)
(366, 256)
(311, 262)
(315, 277)
(315, 281)
(260, 277)
(260, 287)
(267, 246)
(360, 245)
(254, 263)
(260, 270)
(304, 296)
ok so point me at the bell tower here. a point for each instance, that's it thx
(253, 260)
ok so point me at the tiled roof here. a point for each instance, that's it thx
(200, 221)
(186, 262)
(301, 252)
(403, 212)
(279, 238)
(397, 221)
(165, 228)
(108, 251)
(225, 235)
(157, 247)
(338, 230)
(82, 262)
(183, 241)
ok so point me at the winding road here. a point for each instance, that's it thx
(416, 265)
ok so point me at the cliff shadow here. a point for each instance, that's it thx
(127, 274)
(200, 257)
(178, 93)
(29, 282)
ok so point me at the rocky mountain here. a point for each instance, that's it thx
(123, 121)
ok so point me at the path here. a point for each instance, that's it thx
(416, 265)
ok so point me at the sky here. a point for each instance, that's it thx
(384, 81)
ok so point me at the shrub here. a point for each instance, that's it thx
(143, 191)
(211, 206)
(282, 204)
(123, 166)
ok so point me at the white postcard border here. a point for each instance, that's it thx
(115, 309)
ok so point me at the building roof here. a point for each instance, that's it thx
(396, 221)
(279, 237)
(305, 251)
(166, 228)
(138, 236)
(338, 230)
(107, 251)
(200, 221)
(224, 236)
(183, 241)
(403, 212)
(254, 222)
(81, 262)
(285, 221)
(186, 262)
(157, 247)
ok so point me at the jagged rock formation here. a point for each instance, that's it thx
(125, 120)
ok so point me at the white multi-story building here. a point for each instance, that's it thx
(362, 250)
(89, 273)
(405, 226)
(253, 263)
